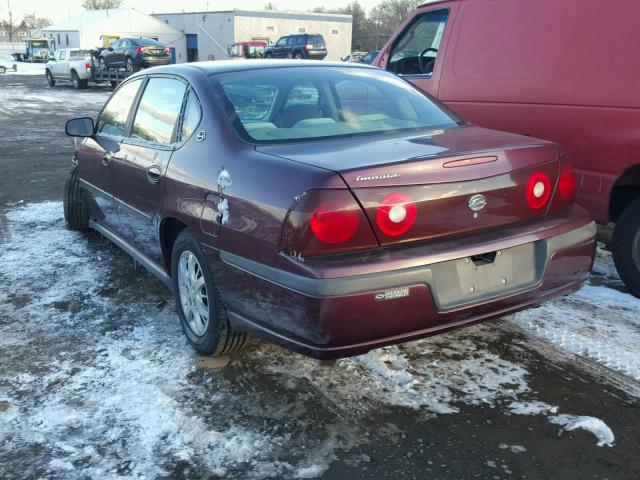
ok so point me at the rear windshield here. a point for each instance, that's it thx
(298, 103)
(144, 41)
(79, 54)
(315, 39)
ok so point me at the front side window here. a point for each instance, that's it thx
(113, 118)
(158, 111)
(415, 51)
(63, 54)
(282, 42)
(271, 105)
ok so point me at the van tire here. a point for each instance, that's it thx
(218, 338)
(75, 210)
(626, 247)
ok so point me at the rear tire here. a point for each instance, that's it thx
(75, 210)
(626, 247)
(3, 69)
(77, 83)
(197, 297)
(50, 81)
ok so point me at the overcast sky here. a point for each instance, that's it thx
(62, 9)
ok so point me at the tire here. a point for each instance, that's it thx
(626, 247)
(77, 83)
(194, 289)
(129, 66)
(3, 69)
(268, 56)
(113, 84)
(75, 211)
(50, 81)
(297, 56)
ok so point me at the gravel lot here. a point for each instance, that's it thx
(96, 380)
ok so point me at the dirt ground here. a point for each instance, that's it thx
(96, 380)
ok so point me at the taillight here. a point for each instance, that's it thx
(396, 214)
(567, 184)
(139, 50)
(308, 46)
(538, 190)
(167, 50)
(326, 221)
(87, 67)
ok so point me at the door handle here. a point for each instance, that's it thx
(107, 159)
(154, 173)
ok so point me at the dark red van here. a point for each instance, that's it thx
(562, 70)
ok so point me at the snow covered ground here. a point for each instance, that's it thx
(97, 382)
(17, 100)
(22, 68)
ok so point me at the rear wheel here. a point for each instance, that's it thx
(77, 83)
(202, 314)
(129, 66)
(3, 69)
(50, 81)
(297, 56)
(626, 247)
(75, 210)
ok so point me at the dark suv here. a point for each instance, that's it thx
(298, 46)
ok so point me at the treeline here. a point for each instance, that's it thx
(371, 31)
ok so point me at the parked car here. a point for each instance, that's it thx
(69, 65)
(532, 68)
(343, 209)
(133, 54)
(244, 50)
(353, 57)
(369, 57)
(303, 46)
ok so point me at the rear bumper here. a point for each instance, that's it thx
(326, 314)
(151, 61)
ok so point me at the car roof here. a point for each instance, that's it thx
(224, 66)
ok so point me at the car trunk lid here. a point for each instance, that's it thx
(460, 180)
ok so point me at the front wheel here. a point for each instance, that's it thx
(202, 314)
(626, 247)
(50, 81)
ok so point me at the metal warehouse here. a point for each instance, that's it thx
(94, 28)
(209, 34)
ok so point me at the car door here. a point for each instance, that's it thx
(417, 52)
(121, 52)
(139, 173)
(280, 50)
(59, 64)
(95, 155)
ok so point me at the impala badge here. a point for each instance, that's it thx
(477, 202)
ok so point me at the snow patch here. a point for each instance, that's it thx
(224, 179)
(223, 208)
(531, 408)
(591, 424)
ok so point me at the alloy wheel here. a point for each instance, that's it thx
(193, 293)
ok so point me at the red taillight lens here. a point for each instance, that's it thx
(308, 46)
(139, 51)
(332, 224)
(567, 184)
(167, 50)
(87, 67)
(326, 221)
(396, 214)
(538, 190)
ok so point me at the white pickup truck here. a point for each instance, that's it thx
(71, 65)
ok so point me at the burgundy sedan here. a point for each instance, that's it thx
(330, 208)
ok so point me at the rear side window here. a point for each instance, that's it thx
(113, 119)
(158, 111)
(315, 39)
(416, 49)
(79, 54)
(192, 116)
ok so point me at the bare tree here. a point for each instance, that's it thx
(101, 4)
(8, 24)
(270, 6)
(32, 21)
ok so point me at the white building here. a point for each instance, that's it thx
(92, 28)
(209, 34)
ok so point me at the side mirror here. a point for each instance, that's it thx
(110, 49)
(80, 127)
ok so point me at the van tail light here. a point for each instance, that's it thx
(566, 189)
(538, 190)
(396, 214)
(326, 221)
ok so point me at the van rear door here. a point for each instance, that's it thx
(417, 51)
